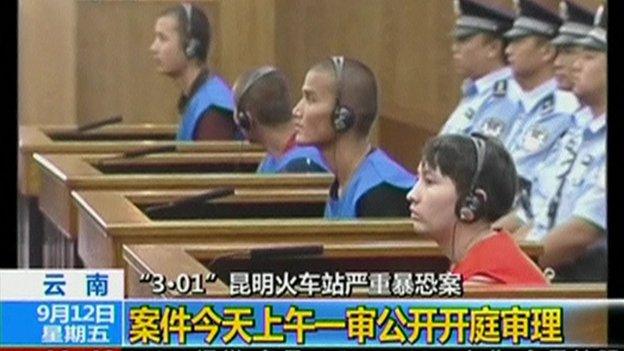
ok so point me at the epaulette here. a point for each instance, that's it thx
(500, 88)
(548, 104)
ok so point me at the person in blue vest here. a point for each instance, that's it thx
(264, 115)
(489, 103)
(180, 49)
(336, 112)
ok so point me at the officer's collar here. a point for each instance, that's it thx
(597, 123)
(487, 81)
(530, 99)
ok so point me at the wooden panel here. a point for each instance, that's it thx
(47, 61)
(247, 36)
(403, 141)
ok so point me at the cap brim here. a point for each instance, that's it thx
(564, 39)
(517, 33)
(591, 43)
(465, 32)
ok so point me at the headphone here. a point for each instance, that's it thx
(242, 117)
(342, 116)
(468, 210)
(192, 46)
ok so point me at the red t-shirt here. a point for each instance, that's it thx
(498, 260)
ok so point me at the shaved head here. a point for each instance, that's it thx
(268, 98)
(357, 89)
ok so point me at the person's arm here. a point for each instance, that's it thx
(215, 124)
(384, 200)
(569, 240)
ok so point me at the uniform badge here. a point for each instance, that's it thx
(493, 128)
(548, 105)
(535, 139)
(500, 88)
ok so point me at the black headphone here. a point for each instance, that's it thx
(242, 118)
(191, 49)
(343, 117)
(468, 210)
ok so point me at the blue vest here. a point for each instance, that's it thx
(213, 92)
(376, 169)
(310, 154)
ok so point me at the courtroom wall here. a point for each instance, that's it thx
(46, 80)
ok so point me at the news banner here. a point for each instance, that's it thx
(86, 310)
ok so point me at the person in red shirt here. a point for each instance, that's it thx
(465, 184)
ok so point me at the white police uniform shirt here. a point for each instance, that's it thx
(545, 115)
(581, 157)
(550, 173)
(489, 106)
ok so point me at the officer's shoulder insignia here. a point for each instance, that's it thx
(500, 88)
(548, 104)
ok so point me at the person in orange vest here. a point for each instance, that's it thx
(466, 184)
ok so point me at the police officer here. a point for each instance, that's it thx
(573, 225)
(578, 22)
(545, 110)
(489, 94)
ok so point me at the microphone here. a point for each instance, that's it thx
(98, 124)
(149, 150)
(190, 200)
(138, 153)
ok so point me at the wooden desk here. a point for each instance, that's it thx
(109, 164)
(63, 173)
(61, 140)
(109, 220)
(109, 139)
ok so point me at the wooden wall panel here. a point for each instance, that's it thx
(46, 62)
(247, 35)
